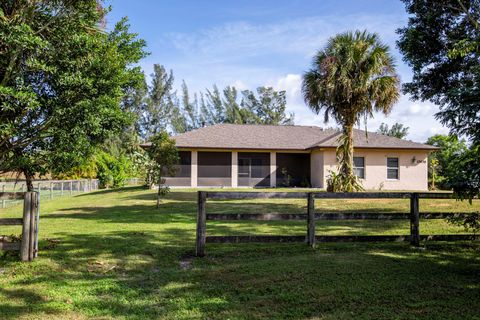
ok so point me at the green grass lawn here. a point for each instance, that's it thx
(111, 254)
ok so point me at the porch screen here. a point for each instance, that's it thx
(214, 169)
(293, 170)
(253, 169)
(183, 171)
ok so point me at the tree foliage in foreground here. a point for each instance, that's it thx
(350, 79)
(62, 79)
(397, 130)
(441, 44)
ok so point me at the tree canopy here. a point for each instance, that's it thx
(351, 77)
(441, 44)
(62, 80)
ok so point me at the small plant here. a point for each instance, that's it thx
(305, 183)
(287, 179)
(165, 155)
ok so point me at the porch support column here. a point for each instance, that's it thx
(234, 169)
(273, 169)
(194, 170)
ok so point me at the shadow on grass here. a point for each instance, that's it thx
(151, 274)
(137, 275)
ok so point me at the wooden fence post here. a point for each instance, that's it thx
(32, 213)
(201, 224)
(414, 220)
(311, 220)
(25, 245)
(36, 214)
(4, 202)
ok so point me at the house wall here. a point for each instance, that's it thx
(413, 175)
(316, 169)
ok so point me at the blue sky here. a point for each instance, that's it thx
(250, 43)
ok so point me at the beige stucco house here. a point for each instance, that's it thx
(228, 155)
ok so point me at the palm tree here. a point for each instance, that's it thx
(351, 77)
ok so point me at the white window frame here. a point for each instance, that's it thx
(364, 167)
(397, 168)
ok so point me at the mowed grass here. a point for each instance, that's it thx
(112, 254)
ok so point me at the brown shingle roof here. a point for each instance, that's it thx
(234, 136)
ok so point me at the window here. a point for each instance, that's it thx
(392, 168)
(359, 167)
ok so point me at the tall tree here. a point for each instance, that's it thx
(62, 78)
(213, 107)
(268, 108)
(350, 79)
(185, 114)
(442, 45)
(159, 104)
(397, 130)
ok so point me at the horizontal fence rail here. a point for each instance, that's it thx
(311, 217)
(28, 244)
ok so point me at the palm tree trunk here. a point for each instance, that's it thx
(346, 166)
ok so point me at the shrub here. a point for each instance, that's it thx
(111, 171)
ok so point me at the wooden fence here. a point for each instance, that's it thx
(28, 245)
(311, 217)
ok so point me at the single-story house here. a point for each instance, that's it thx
(230, 155)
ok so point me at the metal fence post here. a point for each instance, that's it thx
(71, 187)
(51, 190)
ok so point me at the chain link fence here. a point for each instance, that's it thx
(50, 189)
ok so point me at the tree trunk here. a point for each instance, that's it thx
(346, 167)
(28, 180)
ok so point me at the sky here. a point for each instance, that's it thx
(251, 43)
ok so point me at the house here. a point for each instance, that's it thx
(230, 155)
